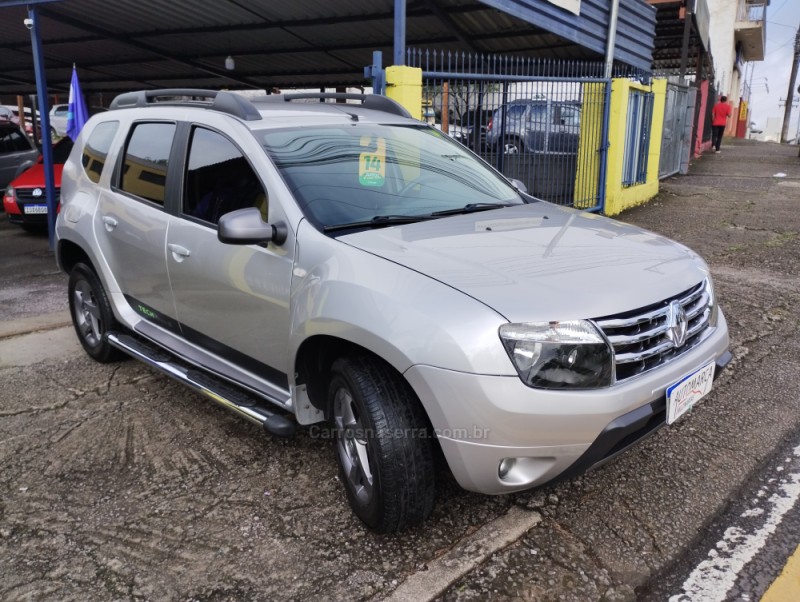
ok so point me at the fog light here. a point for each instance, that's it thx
(506, 464)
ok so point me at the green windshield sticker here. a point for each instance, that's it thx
(372, 163)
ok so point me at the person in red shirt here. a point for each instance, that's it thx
(719, 119)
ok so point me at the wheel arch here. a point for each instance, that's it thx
(316, 355)
(69, 254)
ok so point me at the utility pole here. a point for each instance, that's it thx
(790, 94)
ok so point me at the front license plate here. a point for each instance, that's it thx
(29, 209)
(684, 394)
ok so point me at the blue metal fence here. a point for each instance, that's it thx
(541, 121)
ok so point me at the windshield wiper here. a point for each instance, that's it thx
(470, 208)
(378, 221)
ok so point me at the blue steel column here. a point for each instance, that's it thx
(604, 144)
(376, 74)
(399, 32)
(44, 114)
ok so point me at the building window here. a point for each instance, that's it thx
(637, 137)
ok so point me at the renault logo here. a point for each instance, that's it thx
(37, 192)
(677, 324)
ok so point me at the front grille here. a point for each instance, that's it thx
(639, 337)
(25, 196)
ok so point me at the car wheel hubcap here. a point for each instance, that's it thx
(87, 314)
(352, 446)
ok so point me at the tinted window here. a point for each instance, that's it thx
(516, 111)
(146, 160)
(566, 116)
(61, 110)
(96, 149)
(219, 179)
(12, 140)
(538, 113)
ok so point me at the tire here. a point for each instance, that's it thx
(92, 315)
(383, 444)
(513, 146)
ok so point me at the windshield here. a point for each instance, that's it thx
(359, 172)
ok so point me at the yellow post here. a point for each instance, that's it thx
(588, 172)
(404, 84)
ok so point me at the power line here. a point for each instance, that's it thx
(781, 7)
(780, 24)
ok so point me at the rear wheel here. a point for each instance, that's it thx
(513, 146)
(91, 313)
(383, 444)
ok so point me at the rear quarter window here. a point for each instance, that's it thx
(96, 149)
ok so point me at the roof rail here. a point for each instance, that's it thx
(375, 102)
(222, 101)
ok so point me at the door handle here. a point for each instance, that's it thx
(109, 222)
(179, 253)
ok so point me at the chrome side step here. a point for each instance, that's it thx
(207, 384)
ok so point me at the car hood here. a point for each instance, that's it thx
(33, 177)
(541, 261)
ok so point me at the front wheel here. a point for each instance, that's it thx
(91, 313)
(383, 444)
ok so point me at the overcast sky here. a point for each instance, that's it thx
(783, 18)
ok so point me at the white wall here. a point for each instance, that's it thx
(723, 47)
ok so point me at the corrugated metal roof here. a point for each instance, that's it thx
(128, 44)
(668, 45)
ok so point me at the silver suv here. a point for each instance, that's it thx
(343, 266)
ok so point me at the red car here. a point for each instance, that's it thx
(25, 200)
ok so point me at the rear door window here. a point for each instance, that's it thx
(144, 167)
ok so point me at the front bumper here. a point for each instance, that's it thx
(480, 420)
(15, 210)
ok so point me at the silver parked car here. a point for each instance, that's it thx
(347, 267)
(59, 115)
(535, 126)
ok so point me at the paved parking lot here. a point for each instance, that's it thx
(116, 483)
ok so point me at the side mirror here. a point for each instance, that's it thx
(519, 185)
(245, 227)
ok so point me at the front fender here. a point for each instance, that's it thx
(399, 314)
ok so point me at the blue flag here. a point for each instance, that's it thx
(77, 114)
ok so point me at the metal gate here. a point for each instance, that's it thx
(674, 139)
(543, 122)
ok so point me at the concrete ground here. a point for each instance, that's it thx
(118, 484)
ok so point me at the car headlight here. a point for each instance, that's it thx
(712, 303)
(559, 355)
